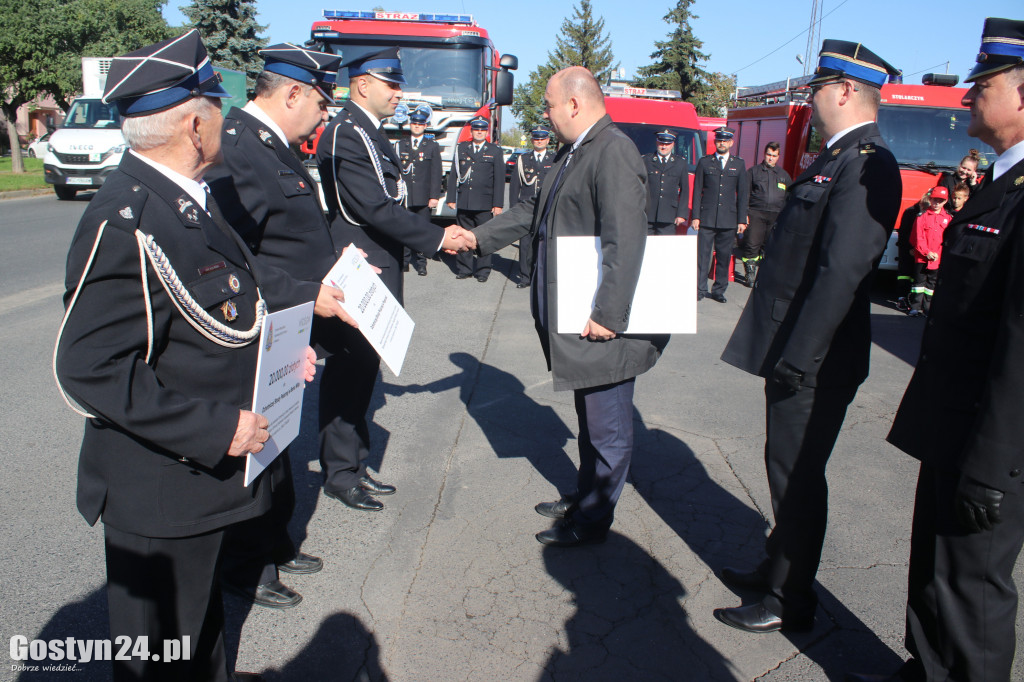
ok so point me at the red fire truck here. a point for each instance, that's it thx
(448, 60)
(643, 112)
(924, 125)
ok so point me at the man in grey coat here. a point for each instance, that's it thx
(596, 188)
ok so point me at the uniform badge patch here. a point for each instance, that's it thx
(231, 131)
(126, 213)
(266, 138)
(821, 179)
(982, 228)
(234, 284)
(835, 152)
(1019, 181)
(230, 311)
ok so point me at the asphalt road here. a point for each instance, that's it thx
(448, 583)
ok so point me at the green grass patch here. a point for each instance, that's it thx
(32, 178)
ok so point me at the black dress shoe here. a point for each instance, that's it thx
(743, 580)
(556, 510)
(566, 533)
(357, 498)
(701, 295)
(376, 487)
(523, 284)
(422, 271)
(481, 278)
(757, 618)
(301, 564)
(717, 297)
(463, 275)
(273, 595)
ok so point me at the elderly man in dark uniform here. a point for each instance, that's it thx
(768, 185)
(476, 188)
(961, 413)
(666, 185)
(159, 345)
(806, 327)
(719, 208)
(421, 162)
(365, 191)
(527, 178)
(269, 198)
(596, 188)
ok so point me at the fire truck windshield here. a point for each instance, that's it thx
(92, 113)
(449, 77)
(687, 143)
(929, 136)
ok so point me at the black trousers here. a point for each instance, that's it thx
(757, 232)
(923, 287)
(254, 548)
(346, 388)
(163, 589)
(605, 415)
(802, 428)
(466, 263)
(961, 602)
(712, 240)
(414, 258)
(525, 258)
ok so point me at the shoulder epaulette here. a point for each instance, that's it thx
(233, 128)
(127, 212)
(867, 147)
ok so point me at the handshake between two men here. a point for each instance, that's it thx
(458, 240)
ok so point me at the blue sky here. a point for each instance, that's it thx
(738, 34)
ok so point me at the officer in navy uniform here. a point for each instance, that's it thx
(666, 185)
(166, 383)
(806, 328)
(720, 194)
(961, 412)
(476, 187)
(527, 178)
(420, 156)
(269, 198)
(363, 184)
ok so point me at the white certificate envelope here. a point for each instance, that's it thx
(665, 301)
(280, 378)
(382, 320)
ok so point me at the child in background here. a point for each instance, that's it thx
(905, 260)
(926, 247)
(958, 198)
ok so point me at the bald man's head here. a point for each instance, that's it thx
(573, 102)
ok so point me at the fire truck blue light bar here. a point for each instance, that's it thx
(399, 16)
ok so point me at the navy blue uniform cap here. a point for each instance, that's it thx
(161, 76)
(665, 137)
(1002, 47)
(319, 69)
(723, 134)
(540, 133)
(385, 65)
(419, 116)
(842, 59)
(479, 124)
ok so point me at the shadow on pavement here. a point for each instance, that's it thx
(514, 423)
(342, 649)
(84, 619)
(899, 335)
(722, 530)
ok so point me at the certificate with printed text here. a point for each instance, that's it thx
(280, 382)
(665, 301)
(381, 318)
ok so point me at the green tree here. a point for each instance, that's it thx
(42, 43)
(677, 59)
(720, 89)
(231, 34)
(582, 42)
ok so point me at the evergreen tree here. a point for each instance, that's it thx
(582, 42)
(678, 59)
(230, 33)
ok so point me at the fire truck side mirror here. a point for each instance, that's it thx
(503, 84)
(509, 61)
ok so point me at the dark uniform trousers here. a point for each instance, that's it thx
(714, 242)
(466, 263)
(802, 428)
(412, 257)
(757, 232)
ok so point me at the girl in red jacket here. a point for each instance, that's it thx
(926, 247)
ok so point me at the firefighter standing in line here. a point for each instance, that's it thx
(526, 181)
(768, 185)
(420, 156)
(666, 184)
(476, 187)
